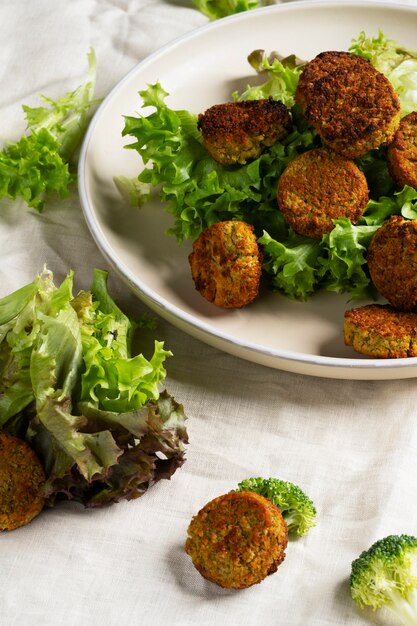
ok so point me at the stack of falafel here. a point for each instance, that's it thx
(354, 109)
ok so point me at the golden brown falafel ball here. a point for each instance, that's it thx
(226, 264)
(392, 262)
(318, 187)
(381, 331)
(237, 539)
(402, 152)
(21, 481)
(235, 132)
(352, 106)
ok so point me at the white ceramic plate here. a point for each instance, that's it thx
(198, 70)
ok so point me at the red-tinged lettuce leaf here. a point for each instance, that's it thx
(101, 457)
(57, 437)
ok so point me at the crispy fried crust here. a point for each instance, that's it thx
(235, 132)
(352, 106)
(402, 153)
(319, 186)
(381, 331)
(21, 480)
(226, 264)
(392, 262)
(237, 539)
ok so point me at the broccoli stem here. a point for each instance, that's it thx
(403, 608)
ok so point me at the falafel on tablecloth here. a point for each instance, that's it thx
(237, 539)
(21, 480)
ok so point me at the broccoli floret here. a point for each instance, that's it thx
(386, 576)
(297, 509)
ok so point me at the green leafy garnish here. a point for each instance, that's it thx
(70, 386)
(215, 9)
(39, 164)
(282, 78)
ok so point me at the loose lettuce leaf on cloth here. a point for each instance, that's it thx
(398, 63)
(216, 9)
(71, 388)
(39, 164)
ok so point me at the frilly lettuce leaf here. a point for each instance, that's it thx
(216, 9)
(292, 263)
(283, 76)
(398, 63)
(71, 388)
(38, 165)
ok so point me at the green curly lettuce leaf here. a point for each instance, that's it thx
(282, 78)
(71, 387)
(39, 164)
(216, 9)
(292, 263)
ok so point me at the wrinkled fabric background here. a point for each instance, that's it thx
(350, 445)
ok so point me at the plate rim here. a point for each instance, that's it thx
(172, 312)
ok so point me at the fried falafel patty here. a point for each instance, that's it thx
(237, 539)
(21, 481)
(235, 132)
(226, 264)
(318, 187)
(402, 152)
(381, 331)
(392, 262)
(352, 106)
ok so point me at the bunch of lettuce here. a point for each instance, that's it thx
(198, 192)
(71, 388)
(39, 164)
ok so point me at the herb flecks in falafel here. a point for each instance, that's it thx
(237, 539)
(226, 264)
(21, 480)
(381, 331)
(318, 187)
(392, 262)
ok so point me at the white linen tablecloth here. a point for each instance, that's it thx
(352, 446)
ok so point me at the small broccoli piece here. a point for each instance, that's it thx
(297, 509)
(386, 576)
